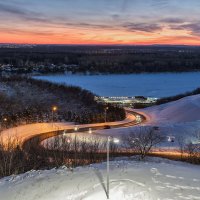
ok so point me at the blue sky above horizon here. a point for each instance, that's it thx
(100, 21)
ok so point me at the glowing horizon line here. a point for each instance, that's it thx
(104, 44)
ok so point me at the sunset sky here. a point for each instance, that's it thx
(100, 21)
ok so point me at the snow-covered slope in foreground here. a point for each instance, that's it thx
(156, 179)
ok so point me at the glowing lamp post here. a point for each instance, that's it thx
(5, 122)
(54, 109)
(76, 128)
(90, 131)
(114, 140)
(5, 119)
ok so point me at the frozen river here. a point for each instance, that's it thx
(151, 85)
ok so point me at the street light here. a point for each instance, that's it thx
(114, 140)
(105, 114)
(76, 128)
(54, 109)
(5, 119)
(5, 122)
(90, 131)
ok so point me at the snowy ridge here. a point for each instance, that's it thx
(184, 110)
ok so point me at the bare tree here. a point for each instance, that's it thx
(192, 148)
(182, 145)
(143, 140)
(11, 157)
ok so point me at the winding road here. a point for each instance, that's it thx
(26, 134)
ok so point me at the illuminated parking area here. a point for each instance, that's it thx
(126, 101)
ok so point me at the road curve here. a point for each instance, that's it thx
(38, 132)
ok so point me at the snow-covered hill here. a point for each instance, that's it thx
(183, 110)
(155, 179)
(179, 118)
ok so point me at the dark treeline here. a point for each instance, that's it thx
(102, 59)
(26, 100)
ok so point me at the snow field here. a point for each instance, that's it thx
(154, 179)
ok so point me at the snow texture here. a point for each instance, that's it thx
(154, 179)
